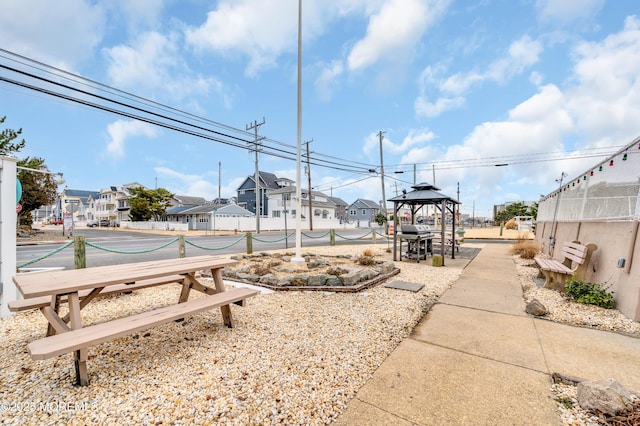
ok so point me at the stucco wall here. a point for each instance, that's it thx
(615, 240)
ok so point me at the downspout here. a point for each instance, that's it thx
(632, 244)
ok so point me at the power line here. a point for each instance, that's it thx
(285, 154)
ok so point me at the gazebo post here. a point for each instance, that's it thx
(395, 228)
(453, 232)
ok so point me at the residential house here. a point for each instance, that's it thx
(203, 217)
(247, 191)
(73, 201)
(198, 217)
(321, 205)
(363, 210)
(112, 203)
(341, 208)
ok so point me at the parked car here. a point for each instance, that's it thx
(101, 222)
(57, 222)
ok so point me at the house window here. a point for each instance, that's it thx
(275, 213)
(353, 212)
(364, 212)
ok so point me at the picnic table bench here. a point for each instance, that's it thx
(575, 263)
(78, 287)
(451, 241)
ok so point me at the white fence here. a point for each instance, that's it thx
(606, 192)
(246, 224)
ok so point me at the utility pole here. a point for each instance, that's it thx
(473, 215)
(414, 174)
(458, 191)
(309, 183)
(219, 175)
(384, 198)
(433, 168)
(255, 125)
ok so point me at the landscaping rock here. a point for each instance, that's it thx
(350, 278)
(317, 280)
(334, 281)
(300, 279)
(248, 277)
(536, 308)
(269, 279)
(606, 395)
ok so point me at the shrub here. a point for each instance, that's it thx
(589, 293)
(511, 224)
(367, 252)
(366, 261)
(525, 249)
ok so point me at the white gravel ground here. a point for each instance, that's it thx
(294, 357)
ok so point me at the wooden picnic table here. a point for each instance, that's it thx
(78, 287)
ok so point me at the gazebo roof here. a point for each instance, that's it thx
(423, 193)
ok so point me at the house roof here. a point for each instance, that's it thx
(186, 200)
(361, 203)
(339, 202)
(177, 210)
(233, 210)
(267, 180)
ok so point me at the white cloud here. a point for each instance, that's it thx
(565, 12)
(539, 124)
(193, 185)
(415, 137)
(605, 95)
(60, 34)
(121, 130)
(240, 26)
(425, 108)
(394, 31)
(521, 54)
(153, 64)
(327, 81)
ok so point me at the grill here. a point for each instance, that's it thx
(408, 228)
(419, 241)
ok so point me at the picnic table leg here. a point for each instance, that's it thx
(55, 305)
(82, 377)
(226, 309)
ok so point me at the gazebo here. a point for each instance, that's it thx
(425, 194)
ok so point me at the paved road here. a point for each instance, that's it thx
(112, 247)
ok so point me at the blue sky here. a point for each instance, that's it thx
(457, 87)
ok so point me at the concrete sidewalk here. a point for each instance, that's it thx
(478, 359)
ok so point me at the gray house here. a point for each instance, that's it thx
(341, 208)
(363, 210)
(247, 191)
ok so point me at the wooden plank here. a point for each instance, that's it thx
(54, 320)
(67, 281)
(39, 302)
(59, 344)
(552, 265)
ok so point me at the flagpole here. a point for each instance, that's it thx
(298, 259)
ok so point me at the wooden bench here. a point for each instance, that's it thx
(575, 264)
(42, 301)
(73, 340)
